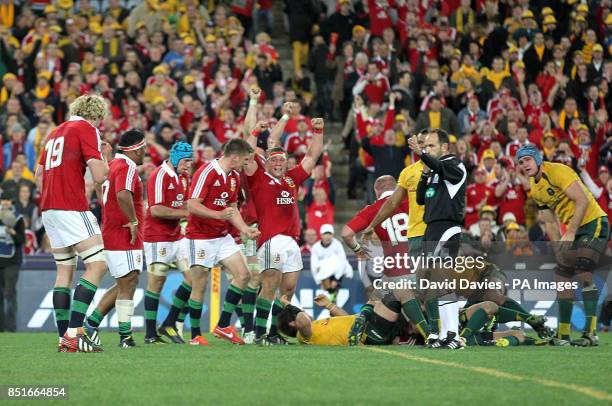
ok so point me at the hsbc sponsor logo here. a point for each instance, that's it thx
(285, 198)
(179, 200)
(222, 201)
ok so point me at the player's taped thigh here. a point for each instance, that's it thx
(182, 265)
(93, 254)
(158, 269)
(65, 258)
(584, 264)
(391, 302)
(564, 271)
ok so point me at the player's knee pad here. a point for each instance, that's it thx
(564, 271)
(584, 264)
(253, 268)
(158, 269)
(392, 303)
(65, 258)
(93, 254)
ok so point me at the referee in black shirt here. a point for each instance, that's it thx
(441, 190)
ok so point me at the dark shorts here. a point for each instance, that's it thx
(593, 235)
(380, 331)
(442, 238)
(415, 245)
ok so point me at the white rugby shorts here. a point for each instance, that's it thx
(66, 228)
(280, 252)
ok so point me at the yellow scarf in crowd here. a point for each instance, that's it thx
(459, 20)
(563, 116)
(540, 51)
(497, 78)
(42, 92)
(7, 14)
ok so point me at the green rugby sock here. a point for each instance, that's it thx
(95, 318)
(432, 308)
(83, 295)
(590, 296)
(248, 308)
(261, 319)
(475, 323)
(61, 306)
(565, 318)
(414, 313)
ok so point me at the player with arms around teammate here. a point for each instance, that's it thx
(123, 214)
(274, 190)
(166, 190)
(211, 205)
(72, 229)
(558, 190)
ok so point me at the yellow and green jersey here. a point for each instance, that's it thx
(409, 180)
(331, 331)
(550, 192)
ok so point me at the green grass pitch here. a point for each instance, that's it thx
(223, 374)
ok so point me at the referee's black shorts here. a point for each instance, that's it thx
(442, 239)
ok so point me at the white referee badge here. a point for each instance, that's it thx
(436, 179)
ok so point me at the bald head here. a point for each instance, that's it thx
(384, 184)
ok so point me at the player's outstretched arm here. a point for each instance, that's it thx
(385, 211)
(251, 115)
(323, 301)
(163, 212)
(316, 146)
(277, 131)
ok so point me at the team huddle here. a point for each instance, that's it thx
(240, 211)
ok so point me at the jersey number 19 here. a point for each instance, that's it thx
(54, 149)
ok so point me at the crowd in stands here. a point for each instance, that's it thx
(495, 74)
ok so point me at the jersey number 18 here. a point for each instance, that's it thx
(396, 227)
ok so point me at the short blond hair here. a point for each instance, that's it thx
(92, 107)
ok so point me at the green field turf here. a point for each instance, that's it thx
(224, 374)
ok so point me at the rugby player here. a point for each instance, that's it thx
(123, 214)
(274, 190)
(166, 190)
(72, 229)
(558, 190)
(211, 205)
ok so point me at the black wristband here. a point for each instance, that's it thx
(293, 309)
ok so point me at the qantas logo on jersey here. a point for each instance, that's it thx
(222, 201)
(285, 198)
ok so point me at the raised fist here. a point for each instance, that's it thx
(254, 93)
(317, 123)
(287, 108)
(261, 126)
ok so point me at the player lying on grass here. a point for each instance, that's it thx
(385, 325)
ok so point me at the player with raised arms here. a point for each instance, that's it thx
(212, 206)
(274, 190)
(559, 192)
(69, 150)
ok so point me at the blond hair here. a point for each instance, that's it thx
(92, 107)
